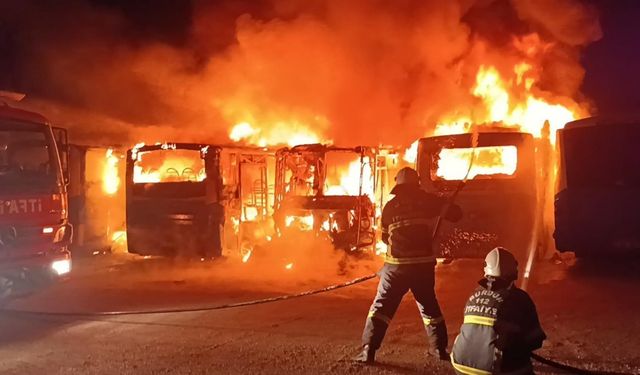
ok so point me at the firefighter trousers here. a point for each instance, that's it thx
(395, 281)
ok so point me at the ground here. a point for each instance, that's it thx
(590, 318)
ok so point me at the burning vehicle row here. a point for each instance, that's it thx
(196, 199)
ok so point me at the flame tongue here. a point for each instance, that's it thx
(280, 133)
(511, 103)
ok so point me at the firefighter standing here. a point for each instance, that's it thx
(501, 327)
(407, 222)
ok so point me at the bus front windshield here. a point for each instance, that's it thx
(27, 157)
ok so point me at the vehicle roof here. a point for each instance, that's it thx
(11, 113)
(174, 145)
(603, 120)
(319, 148)
(506, 133)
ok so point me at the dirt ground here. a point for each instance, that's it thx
(591, 319)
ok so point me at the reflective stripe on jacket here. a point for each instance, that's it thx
(474, 351)
(407, 222)
(499, 332)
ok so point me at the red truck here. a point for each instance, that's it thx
(34, 229)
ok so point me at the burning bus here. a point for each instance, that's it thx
(34, 229)
(597, 208)
(174, 200)
(498, 194)
(182, 198)
(328, 190)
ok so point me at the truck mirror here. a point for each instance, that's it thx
(62, 142)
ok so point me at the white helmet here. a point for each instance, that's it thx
(502, 264)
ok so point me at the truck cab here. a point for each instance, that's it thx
(34, 228)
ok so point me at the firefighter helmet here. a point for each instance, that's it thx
(502, 264)
(407, 176)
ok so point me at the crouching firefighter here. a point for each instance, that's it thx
(407, 222)
(501, 327)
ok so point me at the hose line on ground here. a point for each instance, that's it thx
(329, 288)
(194, 309)
(571, 369)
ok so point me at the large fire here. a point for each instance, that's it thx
(510, 103)
(507, 102)
(279, 133)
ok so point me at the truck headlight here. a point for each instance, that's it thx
(61, 267)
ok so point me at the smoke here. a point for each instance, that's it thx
(360, 71)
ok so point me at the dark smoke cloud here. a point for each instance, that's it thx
(355, 71)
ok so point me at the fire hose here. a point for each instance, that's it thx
(571, 369)
(193, 309)
(452, 198)
(329, 288)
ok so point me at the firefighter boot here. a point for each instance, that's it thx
(438, 353)
(367, 355)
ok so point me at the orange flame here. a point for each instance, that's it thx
(509, 102)
(304, 223)
(110, 178)
(527, 115)
(279, 133)
(350, 180)
(173, 166)
(498, 160)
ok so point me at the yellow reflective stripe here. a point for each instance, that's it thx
(409, 260)
(481, 320)
(408, 222)
(377, 315)
(432, 321)
(468, 370)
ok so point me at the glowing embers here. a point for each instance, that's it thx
(303, 223)
(170, 165)
(487, 162)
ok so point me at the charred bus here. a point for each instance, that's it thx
(174, 202)
(194, 200)
(328, 190)
(34, 229)
(597, 204)
(499, 197)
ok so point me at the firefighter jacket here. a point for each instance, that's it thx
(499, 332)
(407, 224)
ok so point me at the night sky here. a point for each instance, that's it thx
(613, 63)
(612, 78)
